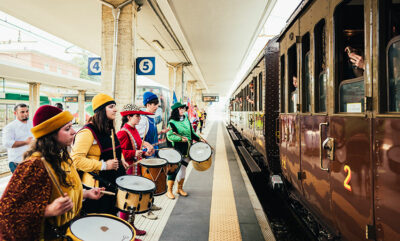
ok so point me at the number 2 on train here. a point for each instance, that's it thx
(348, 178)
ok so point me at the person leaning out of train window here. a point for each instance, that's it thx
(181, 135)
(32, 206)
(250, 98)
(356, 60)
(295, 94)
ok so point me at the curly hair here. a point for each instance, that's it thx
(54, 153)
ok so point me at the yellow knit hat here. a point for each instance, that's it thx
(101, 100)
(48, 119)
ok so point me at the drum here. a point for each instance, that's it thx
(99, 227)
(134, 192)
(155, 170)
(173, 158)
(201, 154)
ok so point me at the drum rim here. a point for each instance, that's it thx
(161, 165)
(134, 191)
(207, 157)
(170, 148)
(102, 215)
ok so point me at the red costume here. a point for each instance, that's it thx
(130, 142)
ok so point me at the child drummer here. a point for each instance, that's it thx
(131, 144)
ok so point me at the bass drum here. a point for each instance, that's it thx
(100, 227)
(201, 155)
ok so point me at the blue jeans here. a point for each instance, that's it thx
(12, 166)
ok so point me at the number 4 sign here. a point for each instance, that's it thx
(94, 66)
(146, 66)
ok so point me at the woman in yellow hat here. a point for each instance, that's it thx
(45, 192)
(92, 151)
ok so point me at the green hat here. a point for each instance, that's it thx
(177, 105)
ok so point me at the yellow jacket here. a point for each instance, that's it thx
(86, 155)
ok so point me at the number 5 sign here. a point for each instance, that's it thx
(146, 66)
(94, 66)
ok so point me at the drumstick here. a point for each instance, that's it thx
(53, 179)
(108, 193)
(113, 144)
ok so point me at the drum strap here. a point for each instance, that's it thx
(134, 145)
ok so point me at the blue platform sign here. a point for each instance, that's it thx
(146, 66)
(94, 66)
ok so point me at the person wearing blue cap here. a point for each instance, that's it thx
(148, 130)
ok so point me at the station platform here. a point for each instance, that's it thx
(221, 205)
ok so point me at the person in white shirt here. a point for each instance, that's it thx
(17, 136)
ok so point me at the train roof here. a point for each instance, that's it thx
(256, 61)
(299, 10)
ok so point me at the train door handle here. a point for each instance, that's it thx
(320, 145)
(329, 146)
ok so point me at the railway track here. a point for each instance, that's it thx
(285, 222)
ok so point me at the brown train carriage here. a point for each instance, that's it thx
(339, 130)
(340, 127)
(254, 113)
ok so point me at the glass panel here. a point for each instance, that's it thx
(322, 91)
(260, 98)
(352, 96)
(3, 116)
(307, 83)
(282, 90)
(394, 76)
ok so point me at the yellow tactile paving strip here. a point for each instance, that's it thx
(224, 222)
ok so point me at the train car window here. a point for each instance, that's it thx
(352, 95)
(260, 93)
(293, 80)
(253, 91)
(393, 70)
(349, 55)
(306, 73)
(389, 19)
(282, 90)
(320, 66)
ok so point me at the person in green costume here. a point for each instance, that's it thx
(181, 137)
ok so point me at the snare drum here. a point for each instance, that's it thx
(201, 154)
(134, 192)
(173, 158)
(99, 227)
(155, 169)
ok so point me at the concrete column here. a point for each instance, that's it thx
(81, 107)
(179, 82)
(199, 96)
(34, 98)
(125, 67)
(171, 80)
(191, 89)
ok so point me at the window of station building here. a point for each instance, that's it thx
(260, 93)
(320, 66)
(282, 89)
(306, 73)
(293, 89)
(349, 56)
(389, 19)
